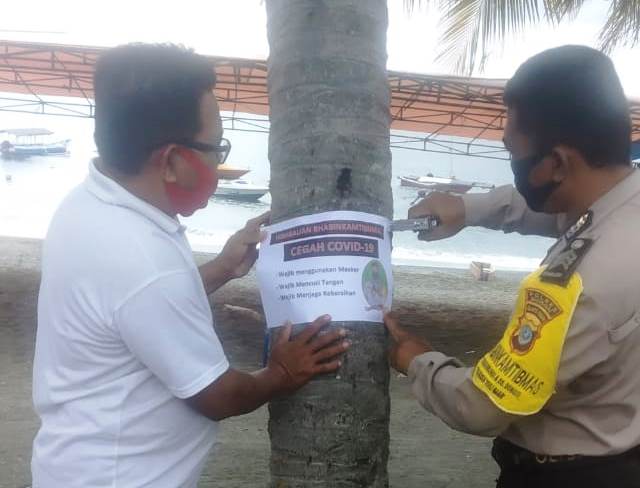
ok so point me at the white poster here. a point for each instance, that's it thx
(336, 263)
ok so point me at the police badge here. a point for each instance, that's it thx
(539, 309)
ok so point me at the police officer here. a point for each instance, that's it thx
(561, 389)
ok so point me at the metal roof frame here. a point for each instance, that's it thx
(463, 116)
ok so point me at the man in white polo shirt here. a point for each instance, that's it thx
(129, 376)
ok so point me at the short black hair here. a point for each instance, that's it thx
(572, 95)
(147, 95)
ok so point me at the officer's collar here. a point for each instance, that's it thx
(617, 196)
(614, 198)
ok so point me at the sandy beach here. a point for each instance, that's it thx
(459, 315)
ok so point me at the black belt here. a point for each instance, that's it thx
(510, 456)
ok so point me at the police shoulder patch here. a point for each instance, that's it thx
(560, 268)
(519, 374)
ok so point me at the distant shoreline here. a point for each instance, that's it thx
(7, 243)
(448, 305)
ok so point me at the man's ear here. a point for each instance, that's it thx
(166, 158)
(563, 159)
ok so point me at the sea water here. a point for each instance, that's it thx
(30, 191)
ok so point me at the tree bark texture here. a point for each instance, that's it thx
(329, 150)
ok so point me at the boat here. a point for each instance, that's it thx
(24, 143)
(226, 172)
(439, 183)
(481, 271)
(240, 190)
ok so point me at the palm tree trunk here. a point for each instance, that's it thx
(329, 150)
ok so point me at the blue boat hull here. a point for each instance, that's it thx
(23, 151)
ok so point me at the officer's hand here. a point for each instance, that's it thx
(239, 253)
(308, 354)
(449, 209)
(405, 346)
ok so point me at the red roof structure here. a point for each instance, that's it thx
(460, 115)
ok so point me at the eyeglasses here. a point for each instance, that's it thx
(222, 150)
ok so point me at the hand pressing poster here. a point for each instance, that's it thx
(333, 262)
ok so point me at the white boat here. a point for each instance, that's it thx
(439, 183)
(24, 143)
(240, 190)
(481, 271)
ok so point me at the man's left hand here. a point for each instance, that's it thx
(240, 253)
(406, 346)
(237, 257)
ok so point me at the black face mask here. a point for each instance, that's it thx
(534, 196)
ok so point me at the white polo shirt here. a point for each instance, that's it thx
(125, 332)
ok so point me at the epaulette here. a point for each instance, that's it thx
(560, 268)
(581, 224)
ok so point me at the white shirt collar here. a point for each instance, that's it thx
(110, 192)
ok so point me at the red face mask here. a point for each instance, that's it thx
(186, 201)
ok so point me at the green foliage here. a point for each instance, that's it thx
(472, 25)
